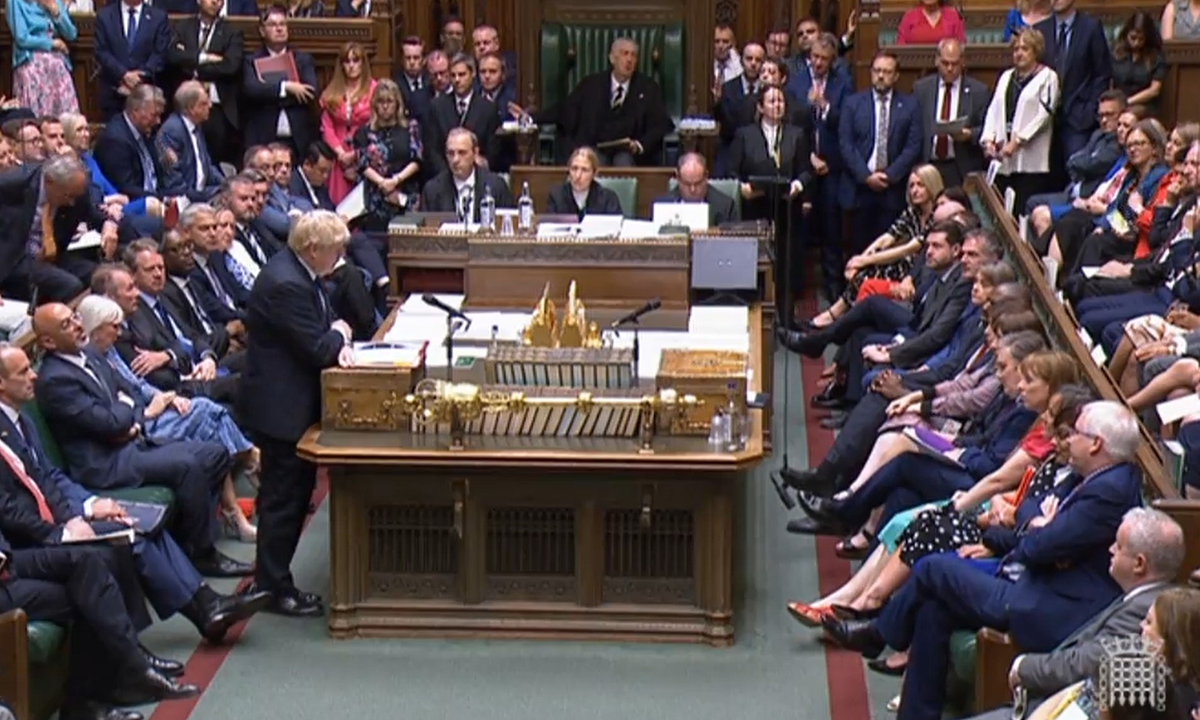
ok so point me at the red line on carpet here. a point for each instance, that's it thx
(844, 673)
(207, 659)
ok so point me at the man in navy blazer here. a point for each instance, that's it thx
(98, 424)
(307, 188)
(730, 109)
(221, 296)
(279, 109)
(416, 87)
(1077, 49)
(1050, 581)
(878, 168)
(485, 40)
(126, 151)
(189, 168)
(293, 336)
(172, 583)
(127, 61)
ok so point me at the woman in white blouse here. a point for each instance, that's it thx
(1019, 123)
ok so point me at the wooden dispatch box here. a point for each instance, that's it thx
(707, 374)
(367, 398)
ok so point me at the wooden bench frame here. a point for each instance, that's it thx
(14, 662)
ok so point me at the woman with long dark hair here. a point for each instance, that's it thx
(1139, 63)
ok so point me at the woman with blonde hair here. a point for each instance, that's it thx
(580, 194)
(77, 135)
(346, 107)
(389, 156)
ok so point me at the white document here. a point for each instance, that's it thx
(993, 170)
(1099, 356)
(1089, 271)
(372, 354)
(449, 227)
(599, 226)
(554, 230)
(1173, 410)
(718, 320)
(950, 127)
(14, 314)
(692, 215)
(638, 229)
(89, 239)
(1010, 200)
(354, 204)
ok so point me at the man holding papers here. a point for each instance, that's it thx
(952, 110)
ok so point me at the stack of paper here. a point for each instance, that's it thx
(409, 354)
(14, 317)
(719, 320)
(599, 226)
(417, 328)
(638, 229)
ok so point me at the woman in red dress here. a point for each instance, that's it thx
(345, 107)
(929, 23)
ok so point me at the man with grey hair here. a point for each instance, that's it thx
(190, 170)
(125, 149)
(619, 112)
(43, 207)
(691, 186)
(945, 96)
(1050, 578)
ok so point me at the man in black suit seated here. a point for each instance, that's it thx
(72, 586)
(41, 210)
(98, 424)
(153, 342)
(188, 167)
(460, 187)
(218, 292)
(416, 87)
(293, 336)
(691, 175)
(208, 49)
(463, 108)
(251, 232)
(308, 184)
(618, 104)
(44, 506)
(278, 108)
(125, 150)
(485, 40)
(182, 299)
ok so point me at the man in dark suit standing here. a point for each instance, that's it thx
(1051, 578)
(730, 108)
(494, 87)
(189, 170)
(460, 187)
(208, 49)
(464, 108)
(279, 108)
(41, 208)
(293, 335)
(125, 150)
(880, 140)
(1077, 49)
(132, 39)
(98, 424)
(691, 175)
(619, 104)
(948, 95)
(416, 88)
(485, 40)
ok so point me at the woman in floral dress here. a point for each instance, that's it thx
(42, 78)
(389, 157)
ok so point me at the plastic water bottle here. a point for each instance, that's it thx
(487, 210)
(525, 210)
(736, 440)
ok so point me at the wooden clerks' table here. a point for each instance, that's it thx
(526, 535)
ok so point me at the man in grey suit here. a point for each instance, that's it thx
(1146, 557)
(948, 95)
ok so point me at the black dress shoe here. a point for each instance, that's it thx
(881, 666)
(218, 564)
(808, 526)
(229, 610)
(295, 604)
(808, 344)
(811, 481)
(834, 422)
(817, 507)
(97, 711)
(857, 635)
(170, 668)
(779, 480)
(845, 612)
(158, 687)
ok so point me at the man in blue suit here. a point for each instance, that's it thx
(1077, 49)
(125, 150)
(485, 40)
(1049, 581)
(189, 168)
(880, 140)
(825, 86)
(279, 107)
(98, 425)
(172, 583)
(132, 39)
(221, 296)
(308, 184)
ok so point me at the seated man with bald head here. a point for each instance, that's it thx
(692, 187)
(459, 188)
(97, 420)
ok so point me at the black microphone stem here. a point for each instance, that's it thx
(449, 348)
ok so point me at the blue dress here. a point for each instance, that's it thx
(1013, 22)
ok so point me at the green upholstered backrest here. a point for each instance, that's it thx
(626, 190)
(45, 641)
(572, 51)
(49, 444)
(729, 186)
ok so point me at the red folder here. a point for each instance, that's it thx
(279, 66)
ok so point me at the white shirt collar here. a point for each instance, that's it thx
(125, 9)
(191, 126)
(469, 182)
(180, 282)
(12, 413)
(312, 275)
(465, 99)
(617, 83)
(77, 359)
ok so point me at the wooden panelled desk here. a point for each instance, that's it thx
(531, 537)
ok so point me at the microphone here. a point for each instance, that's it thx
(432, 301)
(632, 317)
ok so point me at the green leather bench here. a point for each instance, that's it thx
(626, 189)
(33, 655)
(572, 51)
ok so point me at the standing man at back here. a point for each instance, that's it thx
(293, 336)
(1078, 51)
(948, 95)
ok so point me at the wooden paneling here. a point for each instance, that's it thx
(322, 38)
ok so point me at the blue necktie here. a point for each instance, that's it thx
(149, 176)
(241, 274)
(169, 323)
(131, 26)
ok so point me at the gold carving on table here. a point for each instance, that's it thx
(362, 399)
(707, 374)
(467, 409)
(575, 331)
(540, 332)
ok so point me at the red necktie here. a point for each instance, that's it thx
(18, 468)
(941, 148)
